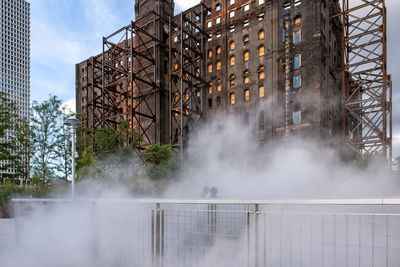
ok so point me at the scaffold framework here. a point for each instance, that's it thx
(367, 88)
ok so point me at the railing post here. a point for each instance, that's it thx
(157, 236)
(256, 234)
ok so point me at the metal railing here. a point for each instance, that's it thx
(231, 233)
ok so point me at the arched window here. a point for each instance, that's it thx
(232, 80)
(210, 53)
(219, 85)
(246, 39)
(232, 98)
(261, 35)
(261, 92)
(219, 50)
(246, 77)
(176, 66)
(210, 69)
(247, 95)
(261, 51)
(232, 60)
(219, 65)
(210, 85)
(197, 72)
(261, 73)
(232, 45)
(246, 56)
(297, 21)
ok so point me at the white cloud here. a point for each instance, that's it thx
(69, 106)
(185, 4)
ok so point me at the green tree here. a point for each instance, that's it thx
(162, 161)
(45, 131)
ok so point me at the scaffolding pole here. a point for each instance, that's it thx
(366, 92)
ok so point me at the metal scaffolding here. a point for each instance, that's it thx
(150, 75)
(187, 69)
(367, 92)
(130, 78)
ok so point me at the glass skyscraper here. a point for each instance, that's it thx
(15, 53)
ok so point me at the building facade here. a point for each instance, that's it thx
(273, 63)
(15, 55)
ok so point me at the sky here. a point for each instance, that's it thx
(66, 32)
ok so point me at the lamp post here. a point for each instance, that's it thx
(73, 123)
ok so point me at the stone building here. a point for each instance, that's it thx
(273, 63)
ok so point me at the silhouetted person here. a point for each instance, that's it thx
(213, 192)
(205, 192)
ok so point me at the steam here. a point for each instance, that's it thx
(225, 154)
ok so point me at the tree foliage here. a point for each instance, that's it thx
(50, 142)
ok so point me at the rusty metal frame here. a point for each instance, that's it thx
(186, 72)
(130, 78)
(366, 92)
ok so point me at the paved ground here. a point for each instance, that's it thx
(7, 233)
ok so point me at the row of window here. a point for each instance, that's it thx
(232, 59)
(246, 7)
(246, 95)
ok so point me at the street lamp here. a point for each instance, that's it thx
(73, 123)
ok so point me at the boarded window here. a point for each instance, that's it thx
(219, 100)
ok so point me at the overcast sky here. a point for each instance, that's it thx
(65, 32)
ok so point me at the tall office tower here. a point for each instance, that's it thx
(15, 56)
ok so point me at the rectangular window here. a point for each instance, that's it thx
(218, 20)
(297, 117)
(218, 35)
(297, 81)
(232, 28)
(232, 2)
(261, 92)
(247, 7)
(246, 23)
(231, 14)
(209, 24)
(260, 2)
(297, 61)
(297, 37)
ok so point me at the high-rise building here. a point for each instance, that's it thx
(15, 55)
